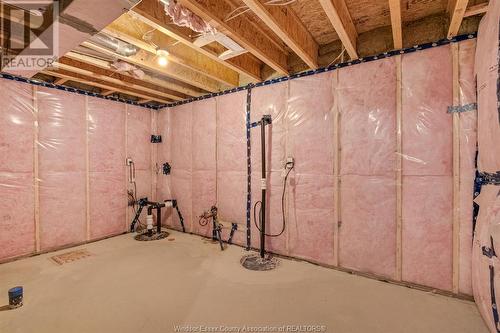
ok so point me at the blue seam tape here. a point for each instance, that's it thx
(75, 90)
(249, 165)
(462, 108)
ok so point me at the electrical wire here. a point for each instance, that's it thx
(282, 205)
(243, 9)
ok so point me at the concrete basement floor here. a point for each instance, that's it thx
(130, 286)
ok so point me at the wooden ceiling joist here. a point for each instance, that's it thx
(151, 12)
(476, 9)
(147, 60)
(183, 56)
(60, 81)
(102, 84)
(284, 22)
(79, 67)
(175, 87)
(456, 10)
(397, 31)
(107, 92)
(241, 31)
(339, 17)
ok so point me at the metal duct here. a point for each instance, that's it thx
(115, 44)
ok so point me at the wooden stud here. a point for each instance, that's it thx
(36, 173)
(127, 178)
(457, 11)
(289, 28)
(154, 148)
(87, 169)
(476, 9)
(60, 81)
(397, 32)
(107, 92)
(241, 30)
(148, 60)
(339, 17)
(456, 169)
(399, 169)
(336, 172)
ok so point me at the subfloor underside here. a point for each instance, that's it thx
(186, 282)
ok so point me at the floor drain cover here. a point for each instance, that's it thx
(255, 263)
(156, 236)
(71, 256)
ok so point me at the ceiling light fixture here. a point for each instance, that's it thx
(162, 55)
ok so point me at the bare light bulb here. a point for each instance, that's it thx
(162, 61)
(162, 57)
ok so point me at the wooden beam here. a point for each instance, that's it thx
(456, 169)
(457, 11)
(108, 92)
(101, 84)
(339, 16)
(337, 217)
(241, 30)
(397, 31)
(476, 10)
(174, 86)
(284, 22)
(182, 55)
(60, 81)
(79, 67)
(152, 13)
(172, 70)
(399, 169)
(144, 100)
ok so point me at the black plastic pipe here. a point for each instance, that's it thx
(263, 122)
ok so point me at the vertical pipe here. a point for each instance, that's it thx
(263, 187)
(158, 219)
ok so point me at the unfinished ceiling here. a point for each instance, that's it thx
(254, 40)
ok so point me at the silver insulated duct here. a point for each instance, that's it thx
(115, 44)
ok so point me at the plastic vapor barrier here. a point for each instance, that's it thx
(63, 175)
(374, 181)
(485, 264)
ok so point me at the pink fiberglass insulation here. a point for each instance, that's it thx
(310, 138)
(139, 150)
(62, 167)
(204, 162)
(468, 142)
(231, 162)
(487, 231)
(106, 140)
(427, 166)
(17, 120)
(367, 105)
(164, 182)
(181, 119)
(270, 100)
(487, 74)
(486, 237)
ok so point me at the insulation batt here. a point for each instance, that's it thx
(82, 143)
(487, 231)
(303, 112)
